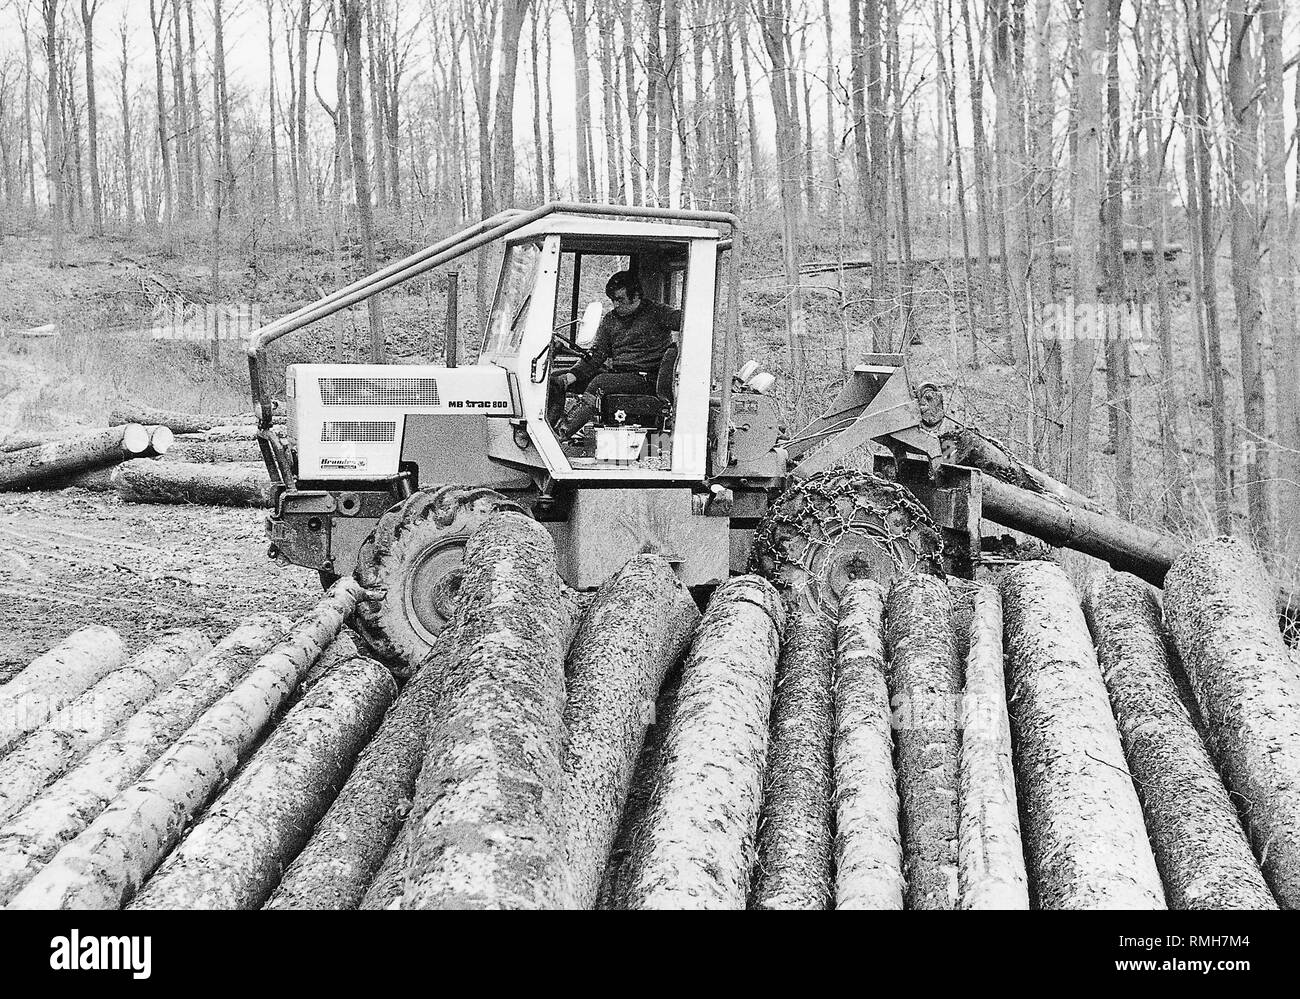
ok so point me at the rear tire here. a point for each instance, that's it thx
(838, 526)
(410, 569)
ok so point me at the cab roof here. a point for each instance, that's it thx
(609, 230)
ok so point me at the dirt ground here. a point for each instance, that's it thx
(73, 558)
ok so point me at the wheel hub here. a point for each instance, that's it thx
(429, 594)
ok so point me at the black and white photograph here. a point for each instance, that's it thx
(650, 455)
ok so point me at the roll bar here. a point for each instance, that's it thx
(466, 241)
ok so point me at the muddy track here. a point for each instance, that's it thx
(73, 558)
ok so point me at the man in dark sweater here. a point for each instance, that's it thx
(636, 337)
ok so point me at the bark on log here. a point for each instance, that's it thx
(990, 857)
(1085, 841)
(967, 446)
(64, 457)
(23, 441)
(203, 452)
(55, 678)
(794, 831)
(697, 851)
(68, 806)
(175, 420)
(924, 679)
(1218, 604)
(1200, 846)
(143, 480)
(85, 722)
(234, 857)
(104, 866)
(385, 891)
(635, 630)
(361, 827)
(620, 868)
(868, 841)
(344, 647)
(488, 828)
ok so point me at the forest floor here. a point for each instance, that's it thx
(67, 558)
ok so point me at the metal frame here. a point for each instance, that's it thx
(466, 241)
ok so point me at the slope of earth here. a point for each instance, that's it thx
(73, 558)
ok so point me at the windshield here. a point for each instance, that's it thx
(510, 310)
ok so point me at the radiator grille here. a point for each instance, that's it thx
(379, 391)
(357, 430)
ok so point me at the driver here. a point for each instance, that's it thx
(637, 338)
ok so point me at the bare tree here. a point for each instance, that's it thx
(53, 126)
(128, 158)
(361, 169)
(513, 13)
(92, 119)
(1282, 285)
(157, 21)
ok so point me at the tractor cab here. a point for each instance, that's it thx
(549, 303)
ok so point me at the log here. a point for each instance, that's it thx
(344, 647)
(68, 456)
(160, 440)
(868, 843)
(488, 826)
(103, 866)
(1218, 605)
(794, 833)
(924, 679)
(148, 481)
(234, 857)
(85, 722)
(990, 858)
(23, 441)
(697, 851)
(360, 829)
(68, 806)
(635, 630)
(175, 420)
(1126, 547)
(620, 869)
(967, 446)
(1200, 846)
(385, 891)
(216, 452)
(55, 678)
(1086, 844)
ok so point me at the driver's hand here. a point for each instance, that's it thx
(567, 379)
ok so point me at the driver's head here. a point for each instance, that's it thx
(624, 290)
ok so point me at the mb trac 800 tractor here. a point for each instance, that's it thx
(387, 469)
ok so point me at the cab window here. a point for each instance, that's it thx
(505, 329)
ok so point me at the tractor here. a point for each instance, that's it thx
(386, 470)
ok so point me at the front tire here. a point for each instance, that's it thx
(410, 568)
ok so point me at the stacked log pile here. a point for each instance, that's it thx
(974, 747)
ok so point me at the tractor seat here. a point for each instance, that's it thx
(620, 410)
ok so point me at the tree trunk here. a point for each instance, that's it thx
(512, 24)
(858, 105)
(119, 850)
(975, 77)
(1283, 329)
(990, 857)
(609, 91)
(636, 165)
(794, 869)
(1199, 844)
(275, 153)
(544, 192)
(54, 155)
(196, 112)
(361, 172)
(363, 825)
(128, 157)
(1243, 139)
(878, 210)
(303, 180)
(181, 104)
(962, 214)
(62, 811)
(70, 455)
(144, 480)
(868, 843)
(55, 679)
(758, 188)
(582, 96)
(45, 754)
(924, 684)
(1085, 840)
(701, 823)
(633, 633)
(92, 117)
(488, 826)
(1220, 610)
(234, 857)
(1055, 401)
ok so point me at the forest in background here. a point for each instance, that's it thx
(1087, 208)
